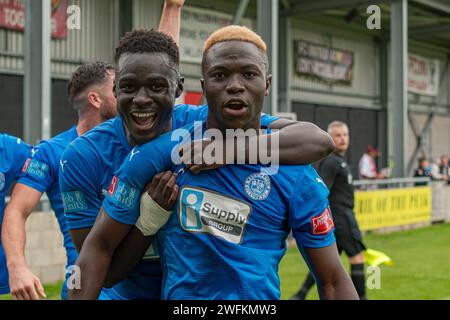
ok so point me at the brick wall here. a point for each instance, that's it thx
(44, 250)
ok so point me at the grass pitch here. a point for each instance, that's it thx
(421, 270)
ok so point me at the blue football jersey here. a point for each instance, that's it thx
(13, 154)
(227, 233)
(89, 166)
(41, 172)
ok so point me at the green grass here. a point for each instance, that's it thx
(421, 270)
(53, 292)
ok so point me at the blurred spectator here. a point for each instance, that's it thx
(444, 168)
(367, 167)
(424, 169)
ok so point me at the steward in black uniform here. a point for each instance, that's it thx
(336, 174)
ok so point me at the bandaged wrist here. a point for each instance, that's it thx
(152, 217)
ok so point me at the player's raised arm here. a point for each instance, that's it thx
(170, 19)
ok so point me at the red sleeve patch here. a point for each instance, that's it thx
(25, 166)
(112, 186)
(323, 223)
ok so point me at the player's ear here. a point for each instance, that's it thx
(202, 83)
(94, 99)
(180, 87)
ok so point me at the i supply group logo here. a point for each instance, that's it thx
(205, 211)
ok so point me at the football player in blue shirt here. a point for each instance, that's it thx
(100, 153)
(91, 93)
(228, 233)
(13, 154)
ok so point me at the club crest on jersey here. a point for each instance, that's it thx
(323, 223)
(2, 181)
(257, 186)
(205, 211)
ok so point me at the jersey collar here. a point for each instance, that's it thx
(120, 130)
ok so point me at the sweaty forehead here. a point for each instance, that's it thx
(234, 50)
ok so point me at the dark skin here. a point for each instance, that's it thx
(144, 84)
(149, 84)
(235, 71)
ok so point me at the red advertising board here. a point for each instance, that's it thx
(12, 16)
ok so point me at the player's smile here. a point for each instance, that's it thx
(146, 86)
(235, 84)
(144, 119)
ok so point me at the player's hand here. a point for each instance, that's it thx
(25, 285)
(174, 3)
(163, 189)
(198, 157)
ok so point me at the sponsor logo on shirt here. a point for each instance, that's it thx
(205, 211)
(122, 193)
(322, 224)
(2, 181)
(73, 201)
(257, 186)
(35, 168)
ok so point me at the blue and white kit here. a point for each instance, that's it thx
(226, 236)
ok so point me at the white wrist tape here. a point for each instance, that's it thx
(152, 217)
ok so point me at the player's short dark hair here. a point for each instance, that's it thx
(147, 41)
(87, 75)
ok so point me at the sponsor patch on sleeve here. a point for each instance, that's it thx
(123, 194)
(35, 168)
(73, 201)
(323, 223)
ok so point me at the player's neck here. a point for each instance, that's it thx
(212, 123)
(88, 121)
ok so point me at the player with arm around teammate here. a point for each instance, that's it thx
(241, 77)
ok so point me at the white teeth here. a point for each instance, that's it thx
(236, 103)
(143, 115)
